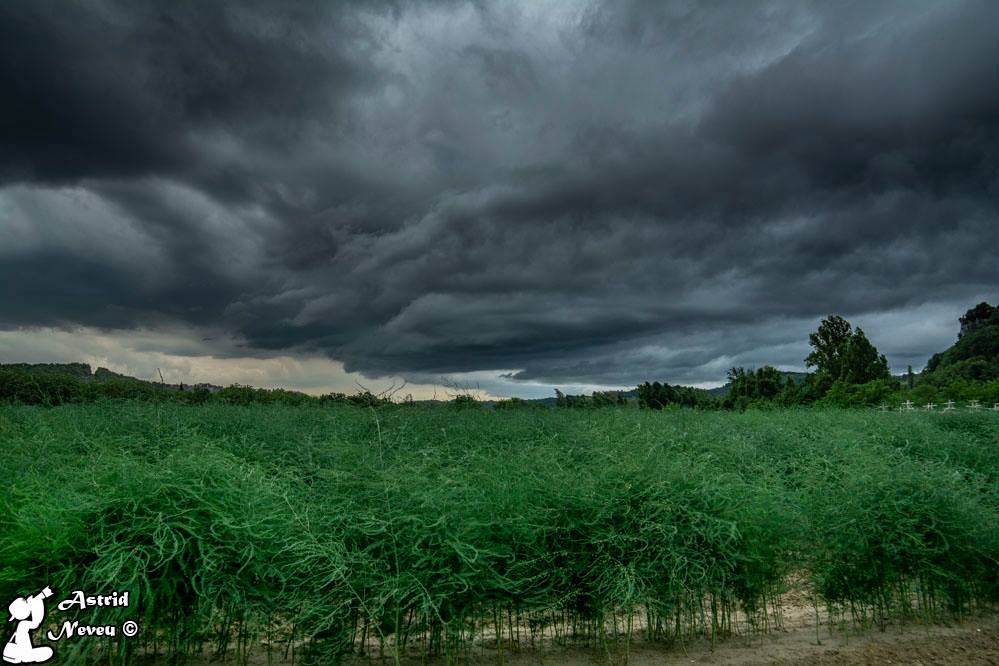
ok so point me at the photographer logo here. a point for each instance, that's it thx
(29, 613)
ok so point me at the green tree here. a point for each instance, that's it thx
(829, 344)
(749, 386)
(861, 361)
(768, 382)
(840, 353)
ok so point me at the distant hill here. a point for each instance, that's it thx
(719, 391)
(104, 374)
(975, 355)
(84, 372)
(80, 370)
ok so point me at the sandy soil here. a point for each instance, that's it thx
(973, 642)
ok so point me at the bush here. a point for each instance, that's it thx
(877, 392)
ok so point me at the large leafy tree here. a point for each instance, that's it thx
(861, 361)
(840, 353)
(829, 345)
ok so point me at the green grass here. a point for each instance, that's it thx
(334, 529)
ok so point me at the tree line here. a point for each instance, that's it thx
(847, 370)
(55, 384)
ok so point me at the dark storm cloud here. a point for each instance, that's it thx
(590, 193)
(126, 89)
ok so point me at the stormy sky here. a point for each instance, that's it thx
(510, 195)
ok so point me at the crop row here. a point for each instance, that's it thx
(349, 529)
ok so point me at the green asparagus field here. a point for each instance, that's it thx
(402, 530)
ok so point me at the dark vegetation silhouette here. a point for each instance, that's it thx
(848, 371)
(658, 395)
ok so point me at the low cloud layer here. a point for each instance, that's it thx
(587, 194)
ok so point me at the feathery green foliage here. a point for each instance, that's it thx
(338, 529)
